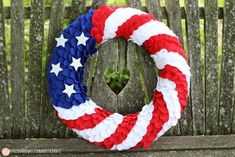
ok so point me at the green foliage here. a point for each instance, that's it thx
(116, 80)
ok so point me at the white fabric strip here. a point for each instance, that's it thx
(139, 129)
(88, 107)
(102, 130)
(167, 88)
(116, 19)
(163, 58)
(148, 30)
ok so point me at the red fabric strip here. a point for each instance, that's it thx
(163, 41)
(121, 132)
(160, 116)
(87, 121)
(128, 27)
(98, 20)
(175, 75)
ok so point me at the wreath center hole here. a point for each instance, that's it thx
(116, 80)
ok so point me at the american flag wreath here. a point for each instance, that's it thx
(68, 94)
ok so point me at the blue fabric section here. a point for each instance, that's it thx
(63, 55)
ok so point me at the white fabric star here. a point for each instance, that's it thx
(61, 41)
(56, 69)
(69, 90)
(76, 63)
(82, 39)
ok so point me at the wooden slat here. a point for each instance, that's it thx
(128, 101)
(134, 4)
(147, 68)
(101, 92)
(5, 120)
(174, 20)
(152, 6)
(148, 73)
(227, 76)
(186, 153)
(211, 66)
(97, 3)
(193, 38)
(167, 143)
(50, 125)
(131, 98)
(174, 17)
(77, 8)
(17, 69)
(35, 67)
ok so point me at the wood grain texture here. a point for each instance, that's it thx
(154, 7)
(209, 113)
(147, 69)
(101, 92)
(35, 68)
(227, 69)
(50, 126)
(174, 22)
(211, 66)
(172, 143)
(131, 98)
(17, 69)
(77, 8)
(186, 153)
(96, 3)
(193, 38)
(174, 17)
(134, 3)
(5, 120)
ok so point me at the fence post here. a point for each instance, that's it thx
(227, 73)
(17, 69)
(35, 67)
(194, 50)
(5, 120)
(211, 66)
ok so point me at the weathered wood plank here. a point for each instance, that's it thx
(131, 98)
(77, 8)
(50, 126)
(90, 67)
(211, 66)
(186, 121)
(128, 101)
(174, 17)
(134, 4)
(186, 153)
(154, 7)
(96, 3)
(227, 70)
(146, 73)
(174, 21)
(17, 69)
(5, 120)
(35, 68)
(167, 143)
(193, 38)
(101, 92)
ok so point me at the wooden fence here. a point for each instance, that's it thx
(25, 109)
